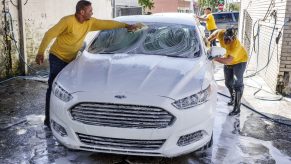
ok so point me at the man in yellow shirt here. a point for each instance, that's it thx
(70, 33)
(210, 23)
(234, 61)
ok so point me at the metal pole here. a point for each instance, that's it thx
(191, 6)
(113, 9)
(22, 41)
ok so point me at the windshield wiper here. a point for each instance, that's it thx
(106, 53)
(175, 56)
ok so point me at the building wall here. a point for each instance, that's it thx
(184, 3)
(165, 6)
(126, 2)
(127, 7)
(161, 6)
(6, 60)
(39, 16)
(285, 65)
(259, 28)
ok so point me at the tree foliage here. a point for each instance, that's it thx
(146, 4)
(234, 6)
(208, 3)
(213, 4)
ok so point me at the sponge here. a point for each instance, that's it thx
(140, 26)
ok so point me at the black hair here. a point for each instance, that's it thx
(81, 5)
(208, 8)
(230, 33)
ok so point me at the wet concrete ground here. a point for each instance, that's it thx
(248, 138)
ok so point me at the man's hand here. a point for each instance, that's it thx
(224, 60)
(216, 59)
(134, 27)
(131, 27)
(39, 59)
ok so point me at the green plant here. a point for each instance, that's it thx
(146, 4)
(234, 6)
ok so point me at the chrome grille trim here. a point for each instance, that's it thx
(120, 151)
(117, 143)
(122, 116)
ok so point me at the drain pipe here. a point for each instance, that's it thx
(113, 9)
(22, 40)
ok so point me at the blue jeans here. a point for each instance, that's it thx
(233, 75)
(56, 65)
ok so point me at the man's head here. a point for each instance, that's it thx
(207, 10)
(229, 35)
(84, 9)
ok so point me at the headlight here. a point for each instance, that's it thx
(193, 100)
(61, 93)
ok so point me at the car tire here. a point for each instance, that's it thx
(208, 145)
(203, 149)
(71, 149)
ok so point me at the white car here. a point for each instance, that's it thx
(150, 92)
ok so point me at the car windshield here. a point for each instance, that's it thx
(156, 39)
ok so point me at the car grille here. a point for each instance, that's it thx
(122, 116)
(120, 143)
(126, 152)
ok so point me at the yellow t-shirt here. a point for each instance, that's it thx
(235, 49)
(70, 34)
(210, 23)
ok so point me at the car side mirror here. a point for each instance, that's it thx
(80, 52)
(83, 47)
(215, 52)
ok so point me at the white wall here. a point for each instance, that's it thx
(40, 15)
(127, 2)
(267, 30)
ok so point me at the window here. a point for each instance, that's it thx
(157, 39)
(236, 16)
(223, 17)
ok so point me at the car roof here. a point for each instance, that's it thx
(226, 12)
(176, 18)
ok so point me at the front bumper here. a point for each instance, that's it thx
(199, 118)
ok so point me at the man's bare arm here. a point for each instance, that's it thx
(224, 60)
(213, 36)
(202, 19)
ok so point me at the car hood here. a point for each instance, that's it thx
(137, 74)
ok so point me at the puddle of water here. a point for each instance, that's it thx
(21, 131)
(274, 152)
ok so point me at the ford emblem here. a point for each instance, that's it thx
(120, 96)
